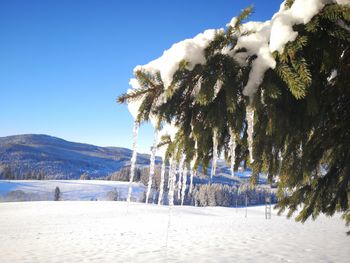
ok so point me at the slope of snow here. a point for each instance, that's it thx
(60, 159)
(118, 232)
(71, 190)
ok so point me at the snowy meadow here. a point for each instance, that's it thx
(121, 232)
(271, 98)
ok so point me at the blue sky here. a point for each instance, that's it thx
(64, 62)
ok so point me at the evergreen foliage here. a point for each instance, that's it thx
(302, 112)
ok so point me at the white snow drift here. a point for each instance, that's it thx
(122, 232)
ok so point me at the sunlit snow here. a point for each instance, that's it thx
(131, 232)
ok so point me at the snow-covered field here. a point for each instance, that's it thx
(121, 232)
(71, 190)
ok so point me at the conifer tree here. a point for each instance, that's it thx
(301, 111)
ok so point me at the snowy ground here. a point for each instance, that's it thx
(118, 232)
(71, 190)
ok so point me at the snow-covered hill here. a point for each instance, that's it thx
(121, 232)
(60, 159)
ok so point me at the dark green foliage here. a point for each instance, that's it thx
(309, 121)
(302, 112)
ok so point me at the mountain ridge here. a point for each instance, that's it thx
(62, 159)
(57, 158)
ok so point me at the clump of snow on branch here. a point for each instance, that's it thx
(191, 50)
(301, 12)
(263, 39)
(256, 43)
(272, 35)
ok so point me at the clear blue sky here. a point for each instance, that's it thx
(64, 62)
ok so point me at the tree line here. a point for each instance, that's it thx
(8, 173)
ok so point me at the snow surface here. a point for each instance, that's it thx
(71, 190)
(121, 232)
(190, 50)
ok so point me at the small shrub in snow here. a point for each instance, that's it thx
(113, 195)
(57, 195)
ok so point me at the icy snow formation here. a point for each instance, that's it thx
(193, 173)
(215, 154)
(162, 179)
(184, 182)
(133, 158)
(181, 169)
(151, 166)
(233, 152)
(250, 131)
(172, 178)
